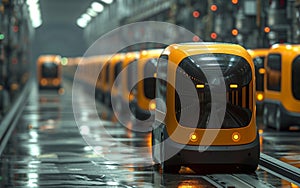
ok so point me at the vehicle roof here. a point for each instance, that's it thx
(188, 49)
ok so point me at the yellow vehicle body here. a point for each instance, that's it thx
(111, 73)
(49, 70)
(144, 103)
(282, 101)
(258, 56)
(236, 138)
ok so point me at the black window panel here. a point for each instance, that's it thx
(107, 73)
(259, 63)
(235, 69)
(274, 72)
(132, 75)
(296, 78)
(161, 81)
(150, 81)
(118, 69)
(49, 70)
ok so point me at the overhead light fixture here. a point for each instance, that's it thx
(97, 7)
(37, 23)
(107, 1)
(81, 22)
(91, 12)
(35, 13)
(86, 17)
(31, 2)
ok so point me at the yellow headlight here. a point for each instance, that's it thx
(236, 136)
(152, 105)
(260, 97)
(193, 137)
(44, 82)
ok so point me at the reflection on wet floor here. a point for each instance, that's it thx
(49, 149)
(283, 145)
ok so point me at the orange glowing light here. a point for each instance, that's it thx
(44, 82)
(235, 32)
(14, 86)
(260, 97)
(213, 35)
(152, 105)
(61, 91)
(262, 71)
(55, 82)
(235, 1)
(213, 8)
(131, 97)
(196, 14)
(267, 29)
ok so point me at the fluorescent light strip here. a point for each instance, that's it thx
(107, 1)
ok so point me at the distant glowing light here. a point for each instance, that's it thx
(213, 35)
(267, 29)
(44, 82)
(86, 17)
(196, 39)
(97, 7)
(81, 22)
(37, 23)
(196, 14)
(16, 29)
(64, 61)
(213, 8)
(35, 13)
(31, 2)
(235, 32)
(2, 36)
(235, 2)
(260, 97)
(107, 1)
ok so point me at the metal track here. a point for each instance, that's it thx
(280, 169)
(10, 120)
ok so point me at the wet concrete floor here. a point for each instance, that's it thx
(50, 149)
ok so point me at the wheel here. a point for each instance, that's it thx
(279, 124)
(265, 116)
(278, 119)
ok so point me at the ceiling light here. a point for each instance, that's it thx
(107, 1)
(81, 22)
(86, 17)
(31, 2)
(97, 7)
(36, 23)
(91, 12)
(34, 7)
